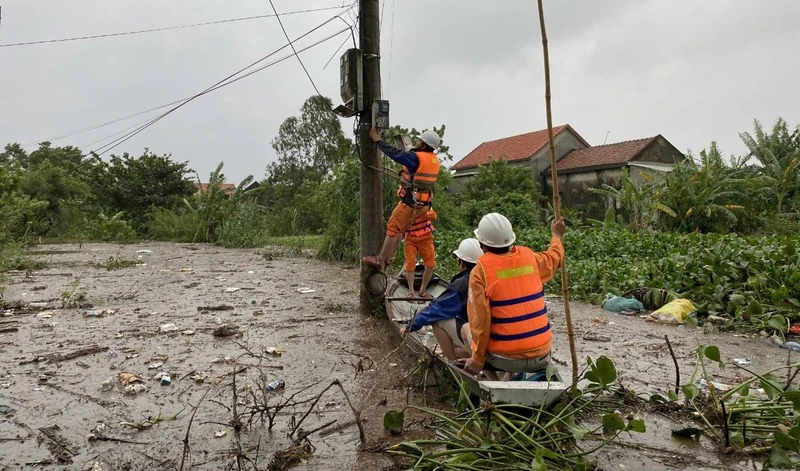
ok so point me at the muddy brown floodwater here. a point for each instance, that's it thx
(54, 361)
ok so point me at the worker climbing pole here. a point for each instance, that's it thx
(556, 199)
(371, 189)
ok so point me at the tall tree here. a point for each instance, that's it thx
(134, 184)
(309, 146)
(499, 178)
(778, 153)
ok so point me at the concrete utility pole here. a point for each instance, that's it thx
(371, 191)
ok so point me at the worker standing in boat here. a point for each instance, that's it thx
(420, 171)
(419, 240)
(508, 327)
(448, 312)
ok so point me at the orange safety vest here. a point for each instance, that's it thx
(420, 184)
(422, 226)
(516, 302)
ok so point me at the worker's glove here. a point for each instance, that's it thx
(373, 134)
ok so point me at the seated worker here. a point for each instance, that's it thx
(508, 327)
(448, 312)
(420, 171)
(419, 240)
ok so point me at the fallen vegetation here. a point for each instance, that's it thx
(759, 418)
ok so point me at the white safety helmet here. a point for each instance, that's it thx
(495, 230)
(469, 250)
(431, 138)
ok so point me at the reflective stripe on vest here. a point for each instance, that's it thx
(516, 302)
(423, 180)
(421, 227)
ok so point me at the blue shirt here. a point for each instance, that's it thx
(402, 157)
(452, 304)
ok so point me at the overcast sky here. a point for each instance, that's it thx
(692, 71)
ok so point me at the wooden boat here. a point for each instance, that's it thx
(401, 310)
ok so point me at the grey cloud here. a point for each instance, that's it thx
(693, 71)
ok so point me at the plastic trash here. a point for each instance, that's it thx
(306, 290)
(188, 332)
(719, 387)
(134, 389)
(272, 351)
(275, 385)
(231, 290)
(742, 361)
(674, 312)
(199, 377)
(166, 380)
(618, 304)
(168, 328)
(794, 329)
(220, 433)
(791, 346)
(108, 384)
(92, 314)
(144, 251)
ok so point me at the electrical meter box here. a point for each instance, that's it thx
(380, 117)
(351, 80)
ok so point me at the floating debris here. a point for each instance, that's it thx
(168, 328)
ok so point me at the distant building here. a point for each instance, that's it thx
(593, 167)
(228, 188)
(531, 149)
(579, 165)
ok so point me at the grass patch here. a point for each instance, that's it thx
(115, 263)
(302, 241)
(13, 257)
(74, 294)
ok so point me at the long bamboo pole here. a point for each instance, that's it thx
(556, 198)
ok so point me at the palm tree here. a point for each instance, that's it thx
(778, 153)
(707, 193)
(636, 199)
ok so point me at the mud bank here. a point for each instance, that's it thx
(50, 402)
(52, 367)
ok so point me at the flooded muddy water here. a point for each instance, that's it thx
(160, 316)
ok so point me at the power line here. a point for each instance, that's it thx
(124, 118)
(115, 134)
(293, 49)
(167, 28)
(223, 83)
(102, 125)
(391, 47)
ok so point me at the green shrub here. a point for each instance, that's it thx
(102, 227)
(247, 227)
(341, 236)
(517, 207)
(178, 225)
